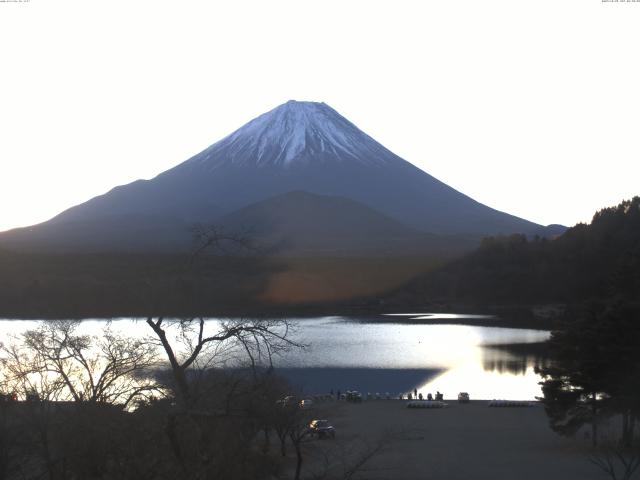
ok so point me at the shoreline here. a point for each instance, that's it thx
(495, 317)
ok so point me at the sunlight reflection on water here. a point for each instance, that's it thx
(340, 342)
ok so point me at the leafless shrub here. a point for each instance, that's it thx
(616, 460)
(54, 362)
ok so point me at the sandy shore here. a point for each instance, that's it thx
(461, 442)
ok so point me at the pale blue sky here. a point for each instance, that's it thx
(528, 106)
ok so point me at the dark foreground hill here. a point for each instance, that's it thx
(125, 284)
(587, 262)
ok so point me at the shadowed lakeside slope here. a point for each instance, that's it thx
(588, 262)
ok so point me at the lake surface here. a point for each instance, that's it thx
(389, 354)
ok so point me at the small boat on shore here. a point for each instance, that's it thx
(426, 404)
(511, 403)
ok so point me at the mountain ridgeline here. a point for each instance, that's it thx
(302, 177)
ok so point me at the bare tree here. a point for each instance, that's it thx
(350, 459)
(619, 462)
(284, 418)
(216, 239)
(54, 362)
(614, 456)
(299, 432)
(193, 346)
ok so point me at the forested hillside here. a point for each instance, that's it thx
(589, 261)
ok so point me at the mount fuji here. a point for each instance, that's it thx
(297, 147)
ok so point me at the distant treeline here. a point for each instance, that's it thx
(61, 286)
(588, 262)
(113, 285)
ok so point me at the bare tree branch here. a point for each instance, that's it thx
(56, 362)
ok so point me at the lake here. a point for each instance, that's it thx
(392, 354)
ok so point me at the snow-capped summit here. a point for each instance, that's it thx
(296, 147)
(295, 132)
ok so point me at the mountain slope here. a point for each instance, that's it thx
(298, 146)
(304, 223)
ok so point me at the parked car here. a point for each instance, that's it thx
(322, 429)
(287, 401)
(306, 403)
(463, 397)
(354, 396)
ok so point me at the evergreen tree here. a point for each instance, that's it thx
(595, 371)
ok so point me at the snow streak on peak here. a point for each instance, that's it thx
(292, 133)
